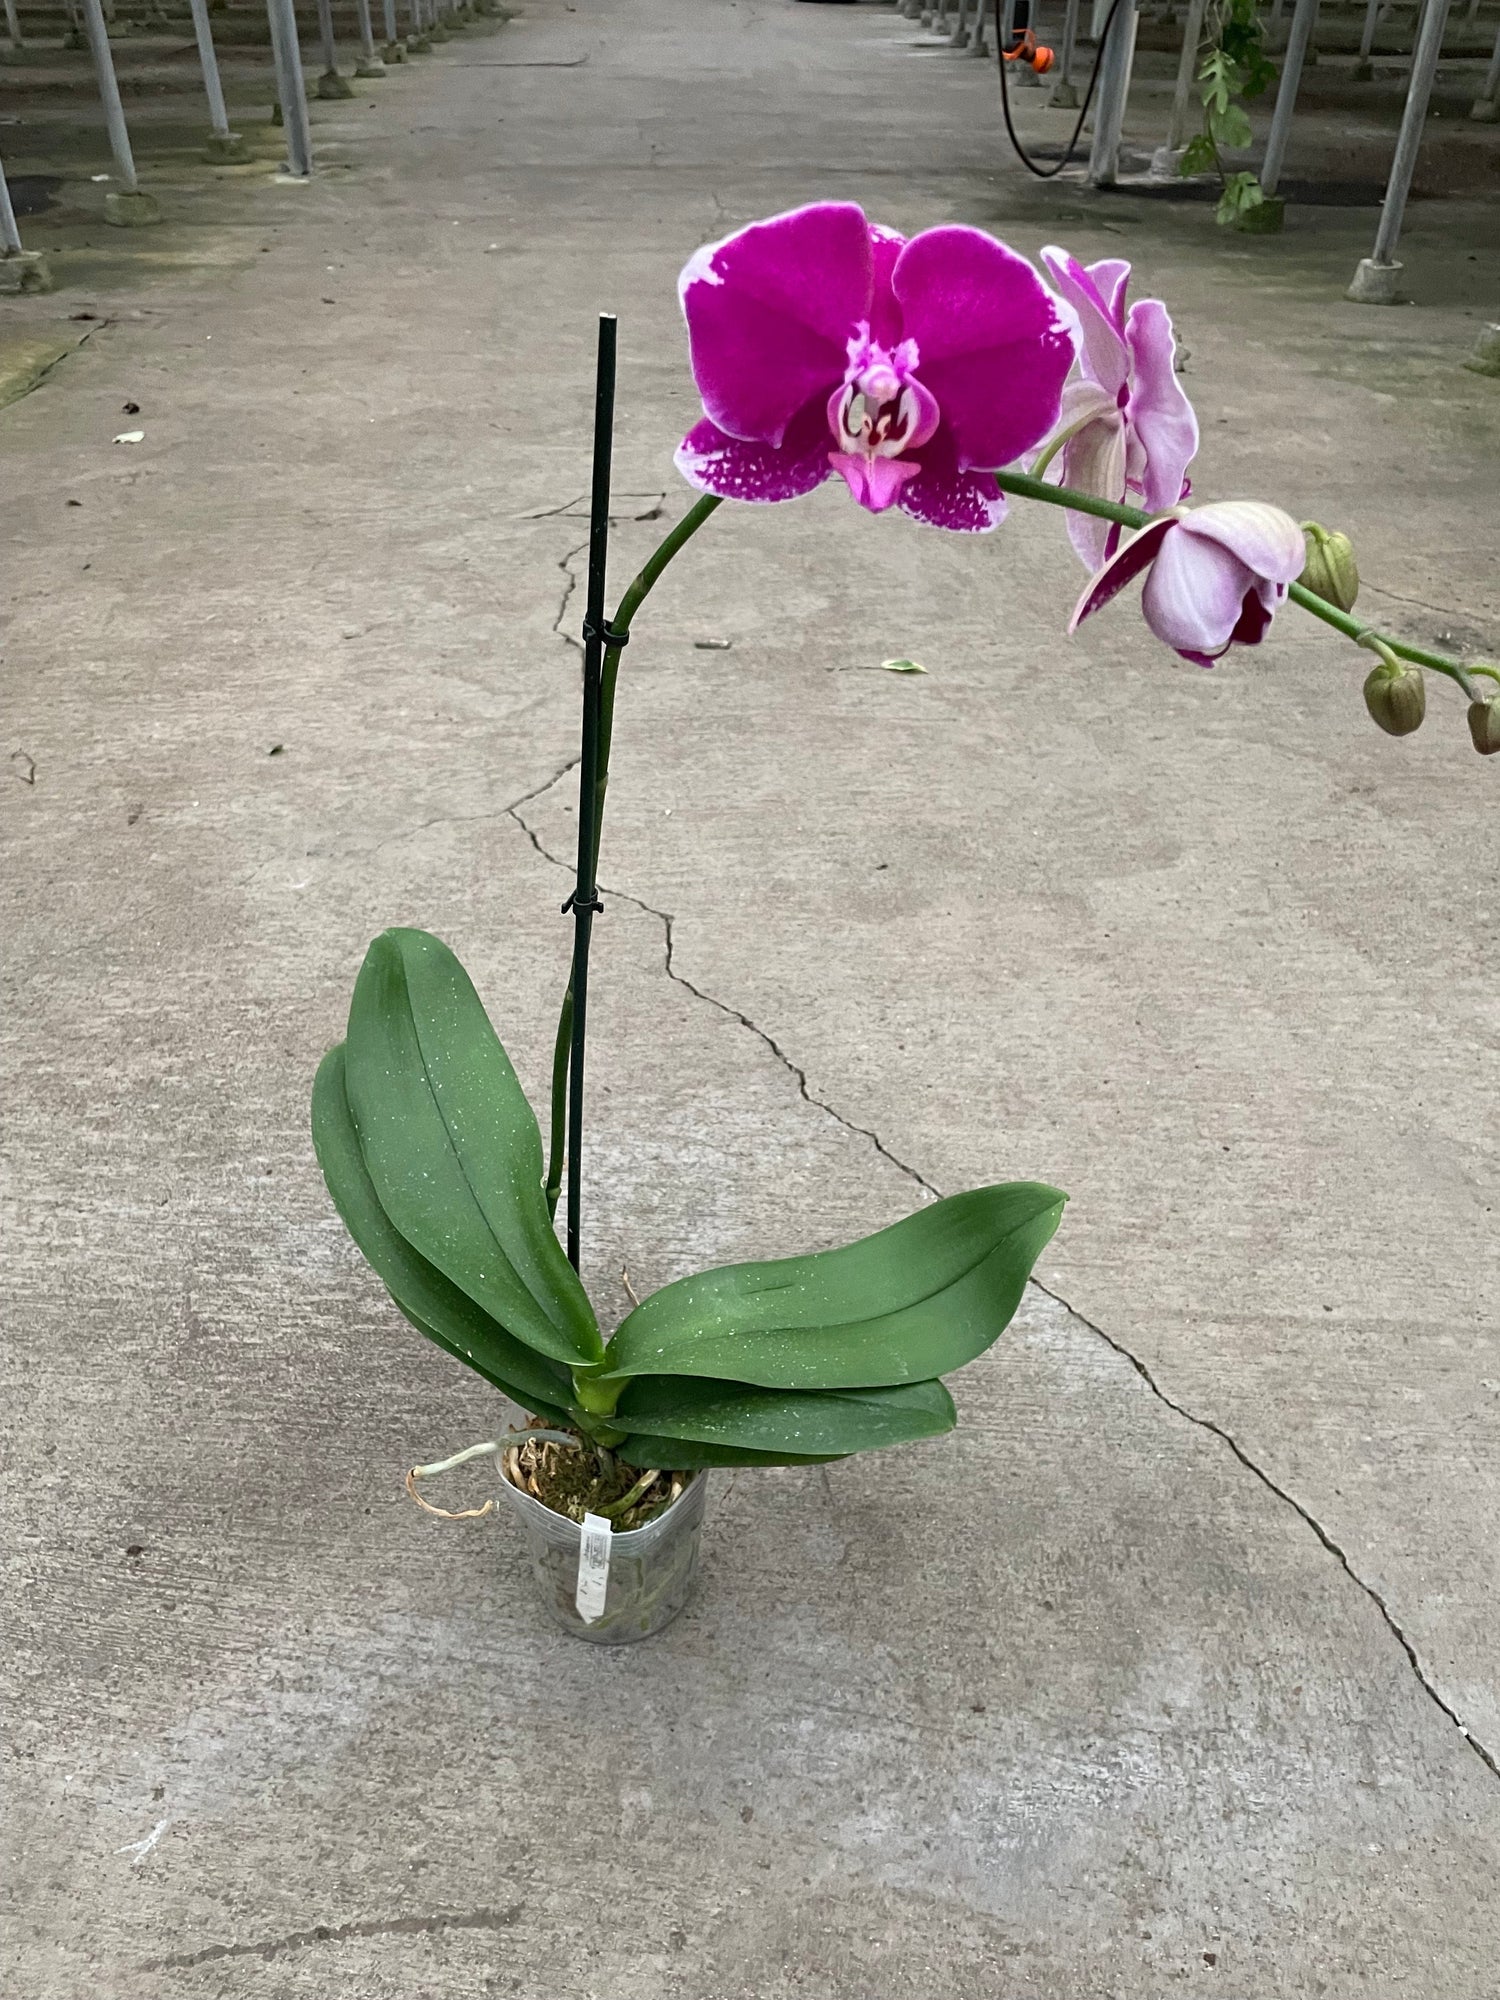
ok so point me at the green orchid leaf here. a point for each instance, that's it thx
(452, 1146)
(518, 1391)
(434, 1306)
(687, 1455)
(802, 1423)
(904, 1305)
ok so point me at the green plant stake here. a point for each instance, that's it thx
(584, 901)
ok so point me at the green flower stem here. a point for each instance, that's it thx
(630, 603)
(1054, 445)
(1363, 634)
(1026, 486)
(1367, 635)
(557, 1137)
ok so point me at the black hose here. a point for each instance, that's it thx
(1048, 173)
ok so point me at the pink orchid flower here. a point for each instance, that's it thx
(823, 344)
(1133, 431)
(1217, 575)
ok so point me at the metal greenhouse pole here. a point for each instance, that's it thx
(1298, 40)
(1164, 160)
(1064, 93)
(222, 143)
(127, 207)
(330, 83)
(21, 270)
(1114, 89)
(286, 48)
(1486, 107)
(1377, 279)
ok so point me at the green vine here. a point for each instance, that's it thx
(1235, 69)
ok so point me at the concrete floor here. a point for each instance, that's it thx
(1174, 1668)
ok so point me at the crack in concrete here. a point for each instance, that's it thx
(1392, 1623)
(1459, 615)
(266, 1949)
(566, 566)
(424, 825)
(22, 385)
(513, 810)
(1225, 1437)
(577, 509)
(668, 925)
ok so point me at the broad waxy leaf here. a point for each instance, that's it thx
(1230, 127)
(687, 1455)
(905, 1305)
(434, 1306)
(452, 1146)
(800, 1423)
(1198, 156)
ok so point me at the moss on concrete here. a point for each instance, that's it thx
(26, 360)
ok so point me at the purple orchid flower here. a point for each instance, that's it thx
(1217, 575)
(823, 344)
(1133, 431)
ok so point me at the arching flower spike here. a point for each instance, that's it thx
(823, 344)
(1134, 433)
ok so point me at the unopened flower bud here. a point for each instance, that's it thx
(1331, 572)
(1484, 725)
(1396, 696)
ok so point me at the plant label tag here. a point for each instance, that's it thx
(593, 1567)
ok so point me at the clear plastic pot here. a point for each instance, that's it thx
(651, 1569)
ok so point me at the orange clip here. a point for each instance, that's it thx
(1027, 50)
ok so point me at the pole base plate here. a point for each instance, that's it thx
(129, 208)
(1485, 360)
(24, 271)
(1376, 284)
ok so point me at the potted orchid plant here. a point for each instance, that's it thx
(942, 377)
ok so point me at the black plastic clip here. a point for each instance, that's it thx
(608, 637)
(577, 902)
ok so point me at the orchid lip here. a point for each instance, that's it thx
(880, 410)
